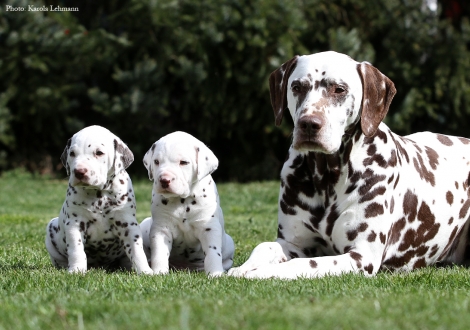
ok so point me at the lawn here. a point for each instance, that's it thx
(34, 295)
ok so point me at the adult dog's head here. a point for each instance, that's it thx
(327, 94)
(176, 162)
(93, 156)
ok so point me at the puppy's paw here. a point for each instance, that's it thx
(77, 270)
(215, 274)
(160, 271)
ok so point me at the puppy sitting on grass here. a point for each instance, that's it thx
(186, 230)
(97, 226)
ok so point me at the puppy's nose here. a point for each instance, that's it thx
(311, 124)
(165, 183)
(80, 173)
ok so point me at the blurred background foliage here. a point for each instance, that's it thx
(146, 68)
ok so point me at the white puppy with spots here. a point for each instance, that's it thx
(97, 225)
(186, 230)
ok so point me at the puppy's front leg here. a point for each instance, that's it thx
(77, 261)
(211, 241)
(134, 248)
(161, 242)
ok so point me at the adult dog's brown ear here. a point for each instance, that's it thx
(377, 94)
(278, 88)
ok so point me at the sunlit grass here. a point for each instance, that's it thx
(34, 295)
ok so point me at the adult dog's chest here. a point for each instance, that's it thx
(320, 193)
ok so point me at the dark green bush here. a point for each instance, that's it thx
(147, 68)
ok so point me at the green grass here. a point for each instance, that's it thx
(34, 295)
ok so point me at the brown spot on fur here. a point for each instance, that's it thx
(420, 263)
(373, 209)
(369, 268)
(464, 209)
(330, 220)
(449, 197)
(372, 236)
(433, 157)
(382, 238)
(357, 257)
(396, 182)
(424, 173)
(372, 194)
(464, 140)
(445, 140)
(410, 205)
(395, 231)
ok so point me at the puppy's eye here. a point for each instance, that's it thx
(156, 162)
(72, 154)
(296, 88)
(99, 153)
(339, 90)
(183, 162)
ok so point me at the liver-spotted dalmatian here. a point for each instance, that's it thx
(354, 196)
(97, 226)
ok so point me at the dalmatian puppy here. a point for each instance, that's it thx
(354, 196)
(186, 230)
(97, 225)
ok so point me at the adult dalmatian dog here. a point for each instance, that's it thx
(97, 226)
(186, 230)
(354, 196)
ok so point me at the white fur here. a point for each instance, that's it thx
(98, 214)
(186, 230)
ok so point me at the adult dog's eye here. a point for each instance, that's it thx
(183, 162)
(72, 154)
(296, 88)
(99, 153)
(156, 162)
(339, 90)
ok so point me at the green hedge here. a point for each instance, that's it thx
(147, 68)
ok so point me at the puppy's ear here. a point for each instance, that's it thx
(278, 88)
(64, 156)
(377, 94)
(207, 162)
(148, 161)
(123, 156)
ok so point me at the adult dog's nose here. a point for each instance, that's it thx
(310, 124)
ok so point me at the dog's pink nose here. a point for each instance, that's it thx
(80, 173)
(165, 183)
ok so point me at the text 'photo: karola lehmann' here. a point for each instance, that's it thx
(40, 8)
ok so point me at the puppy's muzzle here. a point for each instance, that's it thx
(80, 173)
(164, 183)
